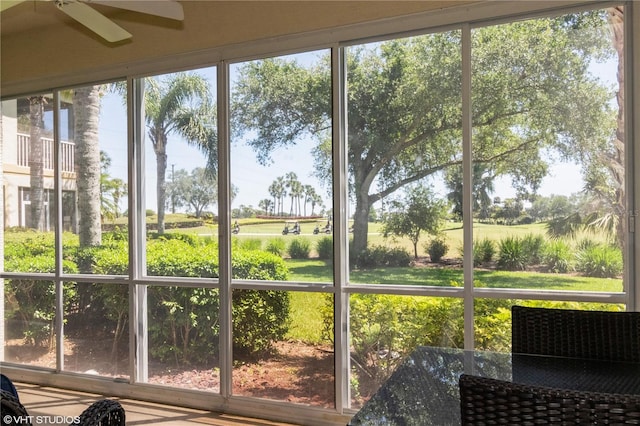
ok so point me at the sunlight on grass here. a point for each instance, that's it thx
(319, 271)
(306, 317)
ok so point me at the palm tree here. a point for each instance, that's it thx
(315, 200)
(291, 181)
(482, 186)
(309, 193)
(86, 109)
(265, 204)
(297, 191)
(278, 192)
(180, 104)
(36, 162)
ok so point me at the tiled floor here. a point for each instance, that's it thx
(51, 402)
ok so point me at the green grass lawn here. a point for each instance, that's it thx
(305, 307)
(319, 271)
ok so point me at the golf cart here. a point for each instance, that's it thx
(322, 227)
(291, 227)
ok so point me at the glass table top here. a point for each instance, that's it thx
(424, 388)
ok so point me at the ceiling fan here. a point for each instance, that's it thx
(103, 26)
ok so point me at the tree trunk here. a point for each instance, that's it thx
(86, 108)
(36, 163)
(361, 222)
(161, 166)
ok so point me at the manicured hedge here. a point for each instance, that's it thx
(183, 321)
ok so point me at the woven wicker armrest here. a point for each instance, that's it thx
(13, 412)
(485, 401)
(106, 412)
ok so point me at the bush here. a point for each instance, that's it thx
(250, 244)
(31, 302)
(533, 248)
(558, 257)
(183, 323)
(512, 255)
(260, 317)
(276, 246)
(382, 256)
(437, 248)
(324, 247)
(483, 251)
(299, 248)
(385, 328)
(600, 261)
(190, 239)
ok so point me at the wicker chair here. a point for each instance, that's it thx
(12, 410)
(485, 401)
(106, 412)
(601, 335)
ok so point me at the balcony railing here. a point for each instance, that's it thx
(66, 153)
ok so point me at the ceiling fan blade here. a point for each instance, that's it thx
(6, 4)
(93, 20)
(165, 8)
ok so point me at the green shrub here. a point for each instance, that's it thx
(29, 243)
(483, 251)
(385, 328)
(183, 322)
(382, 256)
(512, 256)
(258, 265)
(31, 302)
(558, 257)
(276, 246)
(324, 247)
(260, 317)
(585, 243)
(437, 248)
(250, 244)
(299, 248)
(533, 248)
(190, 239)
(600, 261)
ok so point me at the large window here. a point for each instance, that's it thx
(549, 191)
(284, 230)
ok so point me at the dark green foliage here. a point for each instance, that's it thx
(437, 248)
(259, 319)
(299, 248)
(31, 302)
(183, 321)
(512, 255)
(558, 256)
(324, 247)
(183, 324)
(600, 261)
(380, 256)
